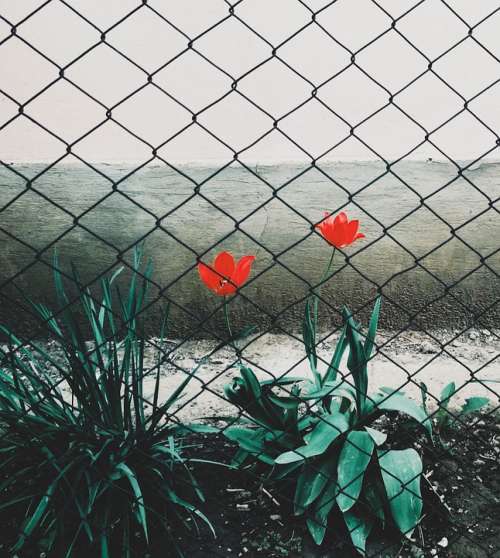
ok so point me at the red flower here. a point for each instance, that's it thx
(339, 231)
(224, 276)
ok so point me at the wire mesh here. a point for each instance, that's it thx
(279, 318)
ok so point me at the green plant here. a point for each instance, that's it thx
(443, 416)
(85, 459)
(324, 435)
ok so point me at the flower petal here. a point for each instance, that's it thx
(226, 288)
(209, 277)
(224, 264)
(321, 228)
(340, 219)
(242, 270)
(337, 236)
(351, 230)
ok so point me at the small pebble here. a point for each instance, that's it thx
(434, 552)
(428, 348)
(473, 335)
(443, 543)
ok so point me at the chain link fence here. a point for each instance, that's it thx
(399, 132)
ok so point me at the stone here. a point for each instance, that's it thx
(428, 348)
(443, 543)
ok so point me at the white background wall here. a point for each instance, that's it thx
(151, 43)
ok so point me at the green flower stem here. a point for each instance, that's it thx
(228, 325)
(317, 290)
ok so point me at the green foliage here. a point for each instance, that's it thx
(90, 463)
(443, 416)
(325, 435)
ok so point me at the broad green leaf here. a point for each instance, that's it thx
(251, 381)
(317, 393)
(332, 389)
(356, 361)
(446, 394)
(329, 425)
(401, 473)
(291, 415)
(239, 458)
(324, 473)
(474, 404)
(331, 373)
(309, 338)
(354, 458)
(372, 328)
(378, 437)
(401, 403)
(286, 470)
(288, 403)
(359, 528)
(250, 441)
(318, 440)
(303, 488)
(317, 523)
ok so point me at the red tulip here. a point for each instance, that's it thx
(225, 276)
(339, 231)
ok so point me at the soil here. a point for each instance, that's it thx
(461, 493)
(253, 517)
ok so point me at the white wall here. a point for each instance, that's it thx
(150, 42)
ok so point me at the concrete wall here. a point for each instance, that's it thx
(454, 273)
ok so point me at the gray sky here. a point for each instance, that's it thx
(150, 42)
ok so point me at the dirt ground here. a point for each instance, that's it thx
(461, 492)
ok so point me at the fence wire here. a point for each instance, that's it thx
(234, 12)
